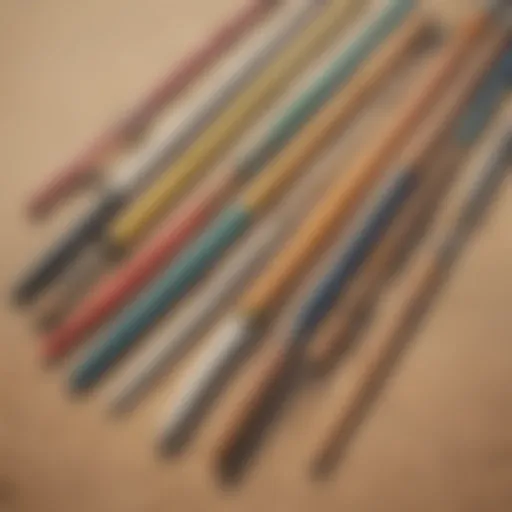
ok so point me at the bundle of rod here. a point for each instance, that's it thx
(121, 218)
(116, 290)
(236, 218)
(258, 305)
(372, 246)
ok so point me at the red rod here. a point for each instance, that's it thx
(117, 288)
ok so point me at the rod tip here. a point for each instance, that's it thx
(20, 296)
(49, 361)
(170, 445)
(119, 405)
(321, 467)
(38, 212)
(80, 382)
(229, 469)
(50, 352)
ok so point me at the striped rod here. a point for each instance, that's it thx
(393, 215)
(131, 180)
(225, 284)
(116, 290)
(154, 203)
(236, 218)
(258, 304)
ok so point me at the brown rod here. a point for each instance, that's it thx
(427, 274)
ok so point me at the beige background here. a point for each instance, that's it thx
(439, 438)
